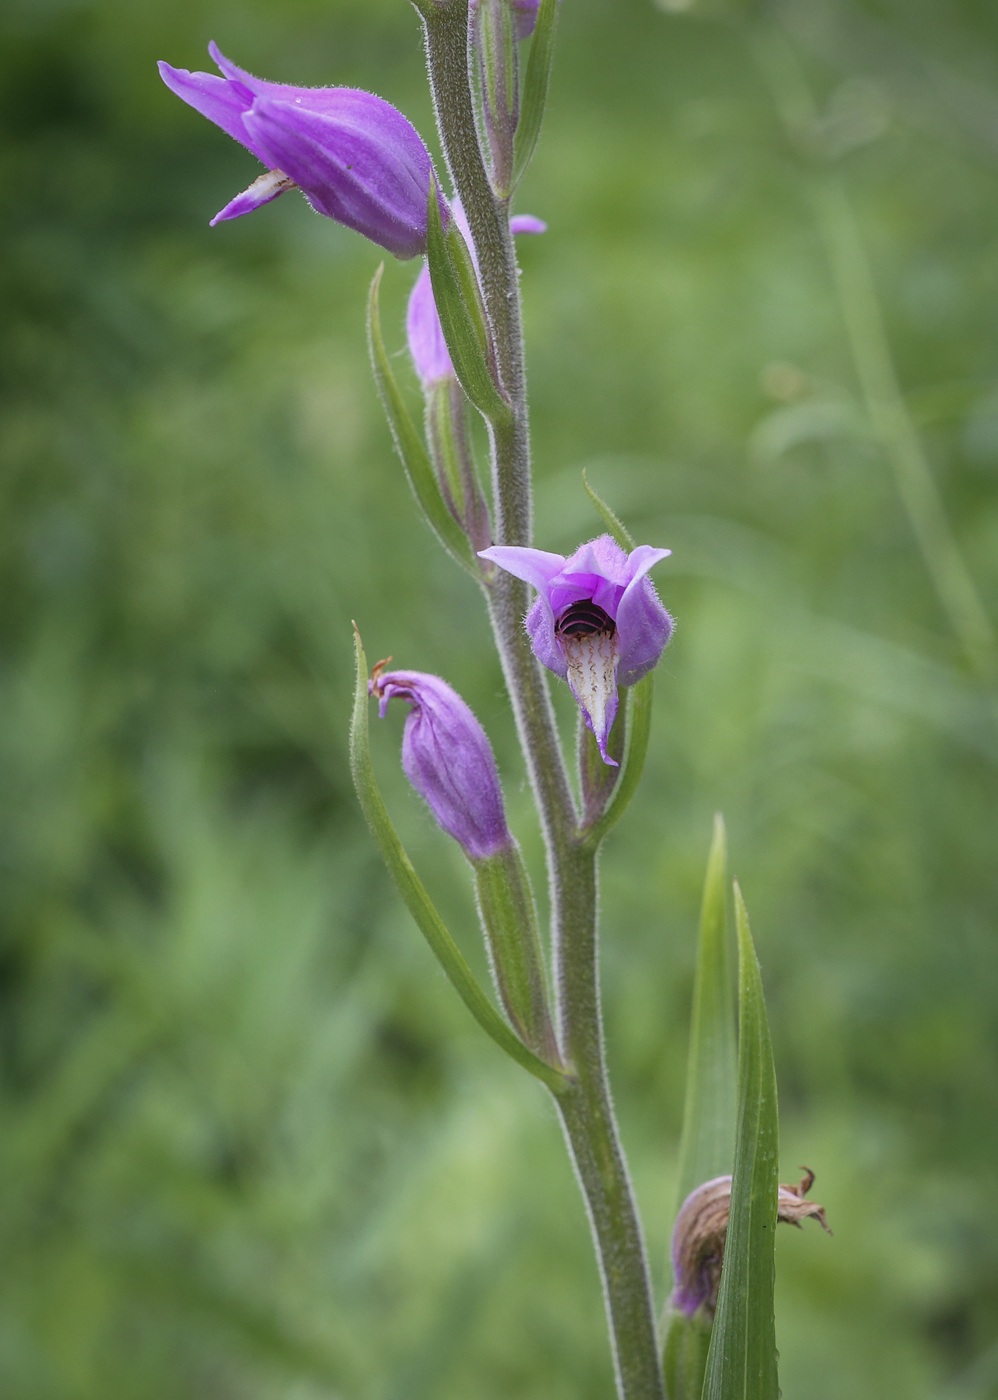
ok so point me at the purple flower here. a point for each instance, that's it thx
(356, 158)
(422, 324)
(596, 622)
(448, 759)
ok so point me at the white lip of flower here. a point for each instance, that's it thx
(270, 183)
(591, 660)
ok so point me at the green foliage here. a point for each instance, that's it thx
(536, 83)
(462, 314)
(409, 443)
(706, 1146)
(741, 1362)
(252, 1144)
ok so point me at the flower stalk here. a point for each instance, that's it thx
(584, 1101)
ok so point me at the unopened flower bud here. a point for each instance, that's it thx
(448, 759)
(700, 1230)
(354, 156)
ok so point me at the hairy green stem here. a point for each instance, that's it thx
(585, 1106)
(590, 1126)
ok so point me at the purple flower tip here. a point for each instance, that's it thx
(354, 156)
(597, 621)
(448, 759)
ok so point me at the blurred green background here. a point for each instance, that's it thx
(252, 1145)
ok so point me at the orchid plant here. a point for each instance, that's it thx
(594, 620)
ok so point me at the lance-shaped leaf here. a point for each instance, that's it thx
(409, 445)
(685, 1356)
(610, 518)
(708, 1138)
(462, 315)
(741, 1364)
(418, 902)
(535, 87)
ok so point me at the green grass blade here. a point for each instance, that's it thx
(418, 902)
(535, 87)
(610, 519)
(741, 1364)
(408, 443)
(708, 1139)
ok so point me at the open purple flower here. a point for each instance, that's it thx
(597, 621)
(354, 156)
(423, 330)
(448, 759)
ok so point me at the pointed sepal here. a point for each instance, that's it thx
(536, 82)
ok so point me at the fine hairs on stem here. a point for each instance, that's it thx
(585, 1103)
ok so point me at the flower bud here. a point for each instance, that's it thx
(699, 1234)
(448, 759)
(354, 156)
(597, 621)
(524, 15)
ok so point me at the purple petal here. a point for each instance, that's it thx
(643, 625)
(359, 175)
(535, 566)
(527, 223)
(214, 98)
(425, 333)
(540, 629)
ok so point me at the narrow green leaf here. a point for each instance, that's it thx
(408, 443)
(462, 319)
(535, 87)
(708, 1140)
(639, 699)
(418, 902)
(509, 921)
(610, 519)
(685, 1357)
(741, 1364)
